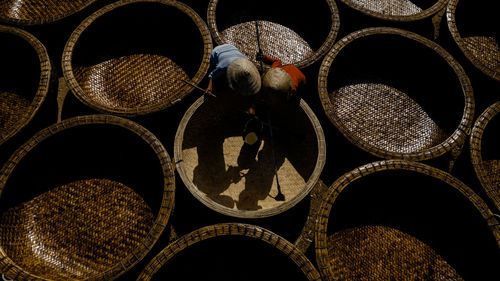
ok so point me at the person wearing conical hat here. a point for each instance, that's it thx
(281, 82)
(230, 64)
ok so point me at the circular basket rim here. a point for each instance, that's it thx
(227, 229)
(475, 150)
(343, 182)
(452, 26)
(40, 21)
(320, 163)
(454, 140)
(325, 47)
(440, 4)
(43, 85)
(10, 269)
(67, 67)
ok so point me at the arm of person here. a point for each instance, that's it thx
(272, 61)
(208, 90)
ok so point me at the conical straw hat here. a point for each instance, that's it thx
(278, 80)
(243, 77)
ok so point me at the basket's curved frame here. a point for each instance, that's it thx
(454, 142)
(43, 85)
(345, 180)
(46, 20)
(450, 17)
(475, 151)
(13, 271)
(320, 163)
(439, 5)
(226, 229)
(325, 47)
(73, 39)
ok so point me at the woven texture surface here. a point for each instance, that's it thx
(421, 138)
(276, 41)
(97, 235)
(132, 81)
(39, 11)
(75, 230)
(482, 51)
(14, 112)
(352, 245)
(386, 118)
(383, 253)
(140, 83)
(492, 173)
(239, 180)
(396, 10)
(243, 178)
(389, 7)
(485, 49)
(12, 109)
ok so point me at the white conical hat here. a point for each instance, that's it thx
(243, 77)
(277, 80)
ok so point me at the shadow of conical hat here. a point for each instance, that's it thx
(123, 59)
(230, 251)
(398, 220)
(25, 76)
(286, 35)
(486, 160)
(386, 99)
(75, 204)
(239, 180)
(34, 12)
(397, 10)
(474, 27)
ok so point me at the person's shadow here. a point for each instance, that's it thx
(260, 176)
(257, 166)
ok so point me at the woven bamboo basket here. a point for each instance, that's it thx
(400, 220)
(231, 251)
(25, 76)
(398, 10)
(75, 204)
(34, 12)
(239, 180)
(127, 58)
(487, 168)
(373, 90)
(474, 28)
(284, 32)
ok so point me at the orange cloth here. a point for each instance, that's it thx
(298, 78)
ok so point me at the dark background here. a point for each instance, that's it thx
(439, 218)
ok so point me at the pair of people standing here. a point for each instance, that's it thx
(278, 85)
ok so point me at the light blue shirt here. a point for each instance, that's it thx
(222, 56)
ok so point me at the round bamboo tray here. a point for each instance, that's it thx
(35, 12)
(285, 35)
(239, 180)
(260, 261)
(89, 215)
(474, 28)
(373, 91)
(398, 220)
(397, 10)
(117, 60)
(21, 95)
(487, 170)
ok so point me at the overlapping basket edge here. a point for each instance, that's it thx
(13, 271)
(455, 140)
(130, 112)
